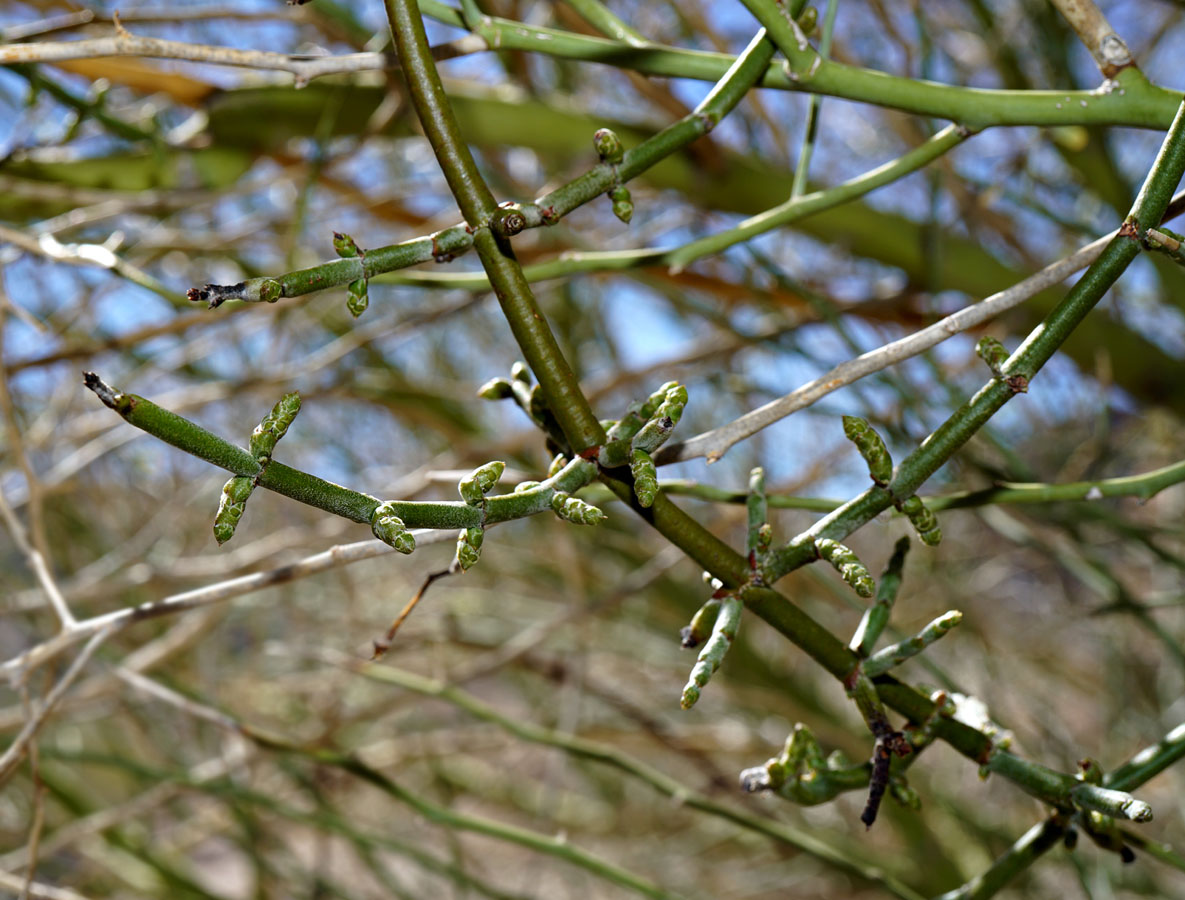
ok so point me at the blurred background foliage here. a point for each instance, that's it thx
(187, 173)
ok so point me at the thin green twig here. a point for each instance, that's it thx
(664, 784)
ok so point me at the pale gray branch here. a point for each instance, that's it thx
(715, 443)
(302, 68)
(340, 555)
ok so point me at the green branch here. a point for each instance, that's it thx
(437, 814)
(1127, 99)
(549, 209)
(828, 651)
(611, 756)
(1035, 842)
(341, 501)
(1015, 374)
(1145, 486)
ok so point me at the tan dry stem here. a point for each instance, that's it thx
(1093, 29)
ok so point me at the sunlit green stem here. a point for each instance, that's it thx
(458, 239)
(892, 656)
(1039, 839)
(354, 505)
(1149, 762)
(802, 206)
(606, 21)
(1144, 486)
(724, 632)
(876, 617)
(700, 627)
(758, 515)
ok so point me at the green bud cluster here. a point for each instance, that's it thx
(992, 352)
(642, 430)
(344, 245)
(357, 297)
(724, 632)
(871, 446)
(469, 543)
(480, 482)
(900, 791)
(573, 509)
(274, 426)
(645, 477)
(923, 520)
(608, 146)
(802, 774)
(636, 415)
(357, 293)
(231, 507)
(765, 537)
(663, 420)
(389, 528)
(508, 222)
(623, 203)
(271, 291)
(233, 502)
(844, 561)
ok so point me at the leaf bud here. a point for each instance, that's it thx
(496, 389)
(389, 528)
(608, 146)
(344, 245)
(357, 297)
(623, 204)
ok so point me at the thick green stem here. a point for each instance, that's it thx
(436, 116)
(531, 331)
